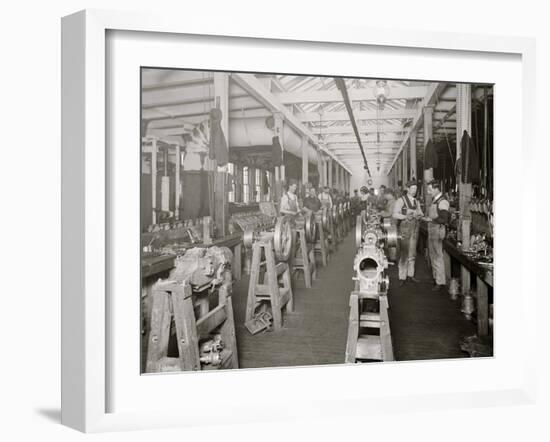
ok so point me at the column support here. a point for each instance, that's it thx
(412, 160)
(330, 172)
(463, 123)
(154, 178)
(428, 112)
(305, 160)
(177, 183)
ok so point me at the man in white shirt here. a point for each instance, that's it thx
(407, 212)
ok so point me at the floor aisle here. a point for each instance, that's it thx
(424, 324)
(316, 332)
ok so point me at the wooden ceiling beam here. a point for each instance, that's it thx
(364, 94)
(359, 115)
(434, 91)
(257, 90)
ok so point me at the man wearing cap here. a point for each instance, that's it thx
(407, 212)
(438, 218)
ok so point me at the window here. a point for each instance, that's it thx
(231, 193)
(246, 186)
(258, 185)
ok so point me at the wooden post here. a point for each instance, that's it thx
(465, 280)
(405, 169)
(330, 173)
(279, 171)
(325, 170)
(320, 168)
(412, 148)
(305, 160)
(463, 123)
(428, 135)
(221, 209)
(154, 178)
(482, 308)
(178, 182)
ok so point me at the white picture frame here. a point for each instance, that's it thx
(85, 233)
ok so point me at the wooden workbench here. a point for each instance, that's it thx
(468, 268)
(158, 264)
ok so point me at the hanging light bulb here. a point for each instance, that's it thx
(381, 92)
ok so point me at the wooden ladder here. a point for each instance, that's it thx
(368, 347)
(173, 300)
(303, 258)
(269, 282)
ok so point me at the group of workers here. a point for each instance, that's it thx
(327, 197)
(403, 209)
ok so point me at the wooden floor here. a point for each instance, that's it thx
(425, 325)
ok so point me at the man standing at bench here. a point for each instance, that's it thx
(407, 212)
(438, 218)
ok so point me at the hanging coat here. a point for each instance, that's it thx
(276, 152)
(218, 145)
(430, 156)
(469, 159)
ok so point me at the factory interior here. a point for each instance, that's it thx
(296, 220)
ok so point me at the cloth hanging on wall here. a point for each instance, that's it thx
(218, 145)
(469, 159)
(276, 152)
(430, 156)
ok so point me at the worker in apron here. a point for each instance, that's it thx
(289, 202)
(407, 212)
(438, 218)
(325, 198)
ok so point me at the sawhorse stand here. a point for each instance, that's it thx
(175, 302)
(362, 346)
(304, 258)
(271, 274)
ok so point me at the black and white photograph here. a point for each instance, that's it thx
(300, 220)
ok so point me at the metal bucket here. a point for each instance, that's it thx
(468, 306)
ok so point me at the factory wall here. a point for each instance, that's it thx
(360, 178)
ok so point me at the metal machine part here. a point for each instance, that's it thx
(369, 334)
(324, 217)
(373, 237)
(307, 222)
(334, 214)
(369, 229)
(210, 351)
(341, 211)
(251, 221)
(281, 235)
(202, 267)
(370, 264)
